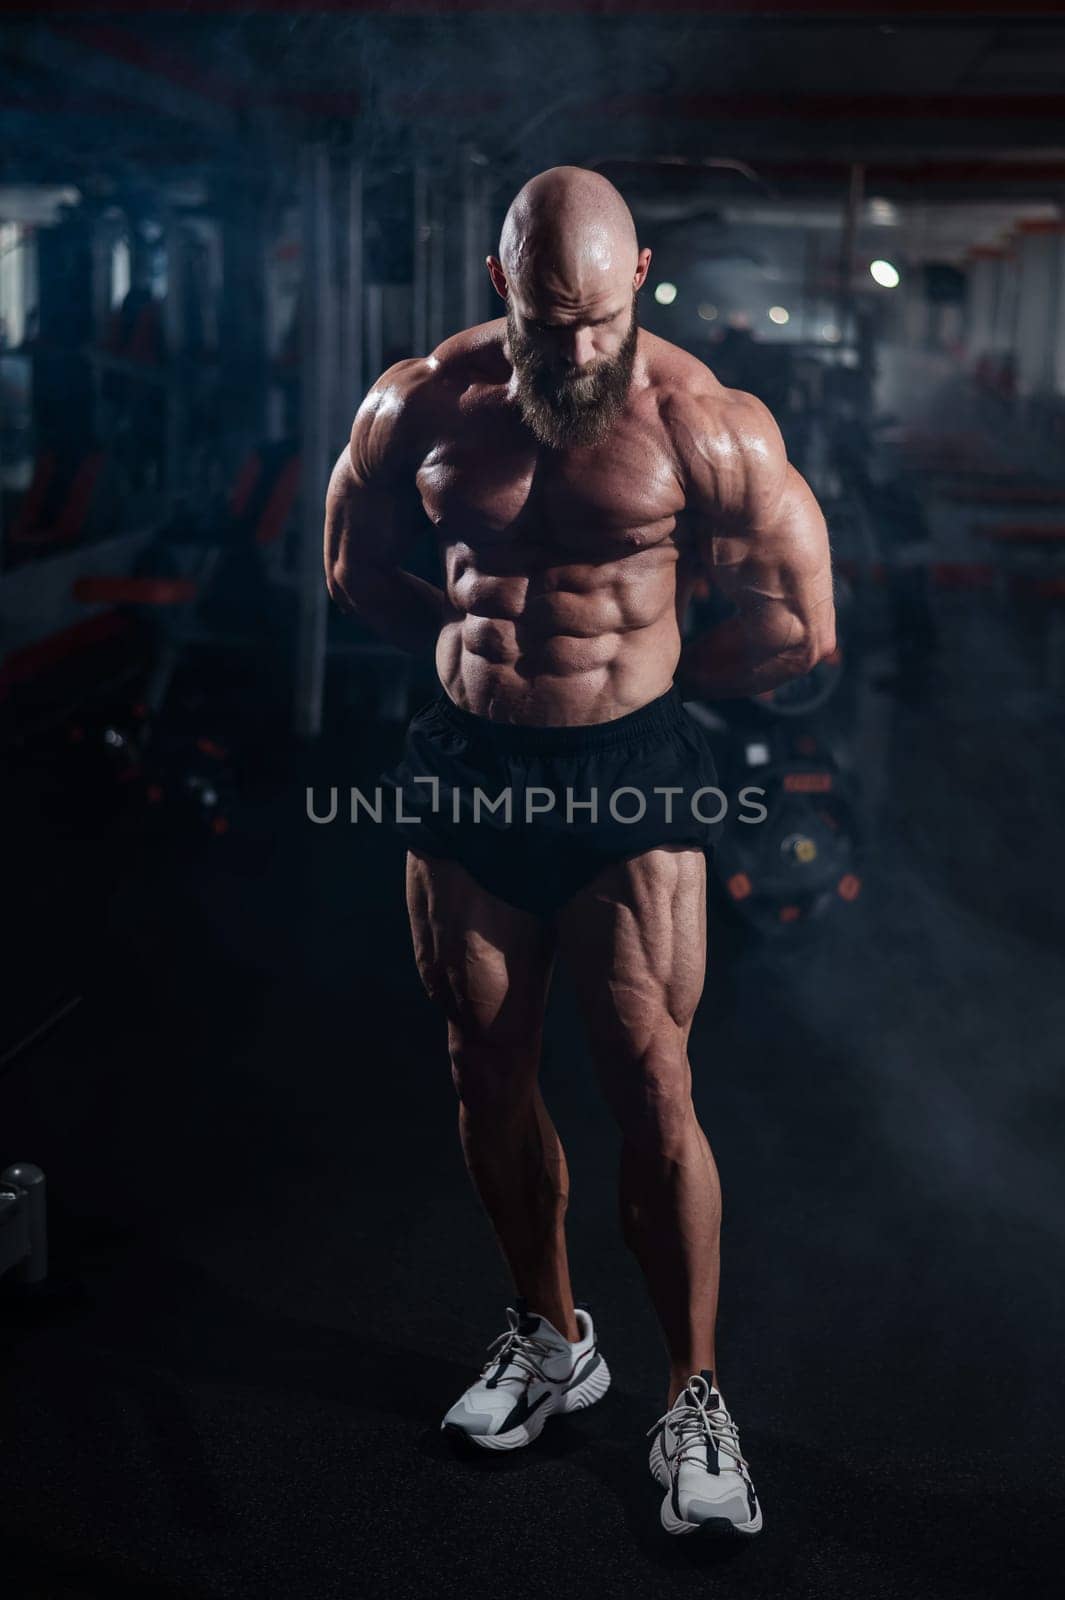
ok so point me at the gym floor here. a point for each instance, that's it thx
(271, 1276)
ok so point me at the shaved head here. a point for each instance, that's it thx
(569, 269)
(568, 230)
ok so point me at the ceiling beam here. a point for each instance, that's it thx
(860, 11)
(795, 109)
(800, 108)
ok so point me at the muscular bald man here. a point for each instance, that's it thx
(556, 798)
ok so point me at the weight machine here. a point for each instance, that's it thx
(23, 1224)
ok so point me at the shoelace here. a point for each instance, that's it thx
(524, 1350)
(693, 1424)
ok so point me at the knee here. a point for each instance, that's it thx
(652, 1105)
(493, 1074)
(493, 1037)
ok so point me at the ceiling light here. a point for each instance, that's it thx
(884, 274)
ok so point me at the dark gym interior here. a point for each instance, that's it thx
(242, 1269)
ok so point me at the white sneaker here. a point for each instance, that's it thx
(696, 1458)
(531, 1373)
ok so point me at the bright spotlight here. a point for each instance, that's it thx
(884, 274)
(779, 315)
(707, 311)
(665, 293)
(830, 333)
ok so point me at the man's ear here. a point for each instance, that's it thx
(497, 275)
(643, 265)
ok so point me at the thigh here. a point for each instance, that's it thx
(485, 962)
(635, 942)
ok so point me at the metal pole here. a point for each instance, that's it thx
(810, 286)
(846, 249)
(318, 322)
(242, 313)
(375, 330)
(422, 230)
(257, 355)
(352, 384)
(103, 242)
(437, 244)
(474, 244)
(174, 393)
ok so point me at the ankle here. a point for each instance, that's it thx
(679, 1376)
(567, 1326)
(559, 1317)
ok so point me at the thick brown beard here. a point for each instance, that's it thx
(553, 411)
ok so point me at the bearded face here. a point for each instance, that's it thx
(575, 406)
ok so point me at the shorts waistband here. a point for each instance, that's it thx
(516, 738)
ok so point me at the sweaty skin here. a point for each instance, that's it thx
(567, 570)
(579, 473)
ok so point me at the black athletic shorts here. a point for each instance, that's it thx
(535, 813)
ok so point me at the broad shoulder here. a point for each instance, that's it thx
(727, 445)
(405, 408)
(474, 355)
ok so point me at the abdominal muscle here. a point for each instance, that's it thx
(562, 647)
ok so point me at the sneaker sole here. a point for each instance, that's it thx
(582, 1395)
(711, 1527)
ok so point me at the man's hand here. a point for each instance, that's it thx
(373, 512)
(763, 542)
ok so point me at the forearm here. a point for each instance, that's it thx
(402, 608)
(736, 659)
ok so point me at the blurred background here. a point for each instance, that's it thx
(267, 1276)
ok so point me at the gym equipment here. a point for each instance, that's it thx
(1036, 534)
(42, 1028)
(1029, 568)
(170, 777)
(803, 858)
(190, 779)
(23, 1224)
(947, 454)
(1042, 604)
(802, 861)
(178, 776)
(67, 502)
(62, 388)
(202, 582)
(800, 697)
(1012, 490)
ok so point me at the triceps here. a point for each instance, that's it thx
(368, 531)
(778, 574)
(336, 551)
